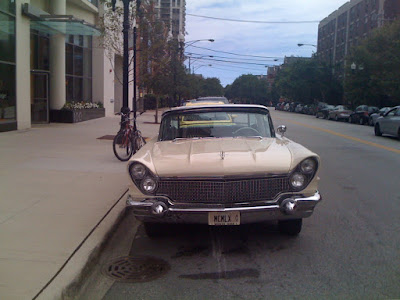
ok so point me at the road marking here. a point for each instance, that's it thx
(345, 136)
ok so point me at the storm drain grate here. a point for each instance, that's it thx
(136, 268)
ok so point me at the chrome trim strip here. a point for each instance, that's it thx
(227, 178)
(257, 208)
(145, 203)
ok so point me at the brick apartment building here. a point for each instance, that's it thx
(348, 25)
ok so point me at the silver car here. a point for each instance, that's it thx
(389, 123)
(373, 117)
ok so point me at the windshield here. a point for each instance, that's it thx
(215, 124)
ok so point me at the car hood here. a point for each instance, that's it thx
(221, 157)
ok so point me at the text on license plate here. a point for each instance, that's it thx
(224, 218)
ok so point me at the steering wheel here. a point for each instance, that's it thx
(251, 132)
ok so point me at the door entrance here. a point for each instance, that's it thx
(39, 97)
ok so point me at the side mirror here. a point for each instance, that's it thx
(281, 130)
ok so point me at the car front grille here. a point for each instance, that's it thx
(221, 190)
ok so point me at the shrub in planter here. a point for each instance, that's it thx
(74, 112)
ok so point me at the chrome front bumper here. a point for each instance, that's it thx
(160, 209)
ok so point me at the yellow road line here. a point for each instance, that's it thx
(346, 136)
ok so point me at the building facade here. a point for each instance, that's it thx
(347, 26)
(50, 54)
(173, 13)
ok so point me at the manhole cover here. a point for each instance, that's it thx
(136, 268)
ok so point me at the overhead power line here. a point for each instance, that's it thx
(235, 68)
(232, 61)
(253, 21)
(199, 56)
(231, 53)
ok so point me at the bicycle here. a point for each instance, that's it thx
(128, 141)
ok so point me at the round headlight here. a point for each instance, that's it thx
(297, 180)
(138, 171)
(149, 185)
(308, 166)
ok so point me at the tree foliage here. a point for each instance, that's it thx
(154, 54)
(375, 80)
(248, 89)
(307, 81)
(194, 86)
(161, 71)
(111, 26)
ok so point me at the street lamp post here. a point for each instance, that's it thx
(301, 44)
(197, 58)
(190, 43)
(134, 76)
(125, 91)
(198, 67)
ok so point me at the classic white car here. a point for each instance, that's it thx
(222, 165)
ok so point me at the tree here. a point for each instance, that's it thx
(154, 58)
(111, 26)
(307, 81)
(375, 79)
(248, 89)
(212, 87)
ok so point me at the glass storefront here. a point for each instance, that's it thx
(40, 66)
(78, 66)
(7, 66)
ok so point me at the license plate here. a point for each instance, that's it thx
(224, 218)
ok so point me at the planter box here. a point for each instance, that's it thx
(78, 115)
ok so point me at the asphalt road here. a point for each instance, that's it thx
(348, 249)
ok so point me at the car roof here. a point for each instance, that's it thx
(198, 103)
(221, 99)
(219, 107)
(212, 98)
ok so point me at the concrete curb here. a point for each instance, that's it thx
(67, 283)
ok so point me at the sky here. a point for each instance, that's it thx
(274, 41)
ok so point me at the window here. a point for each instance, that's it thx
(7, 93)
(78, 60)
(7, 37)
(7, 66)
(40, 51)
(7, 6)
(215, 125)
(392, 112)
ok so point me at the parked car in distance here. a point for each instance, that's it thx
(298, 108)
(310, 109)
(280, 106)
(213, 99)
(361, 114)
(323, 113)
(222, 165)
(373, 117)
(340, 112)
(389, 123)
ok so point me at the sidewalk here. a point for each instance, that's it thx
(57, 184)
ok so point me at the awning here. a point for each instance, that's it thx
(56, 24)
(52, 24)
